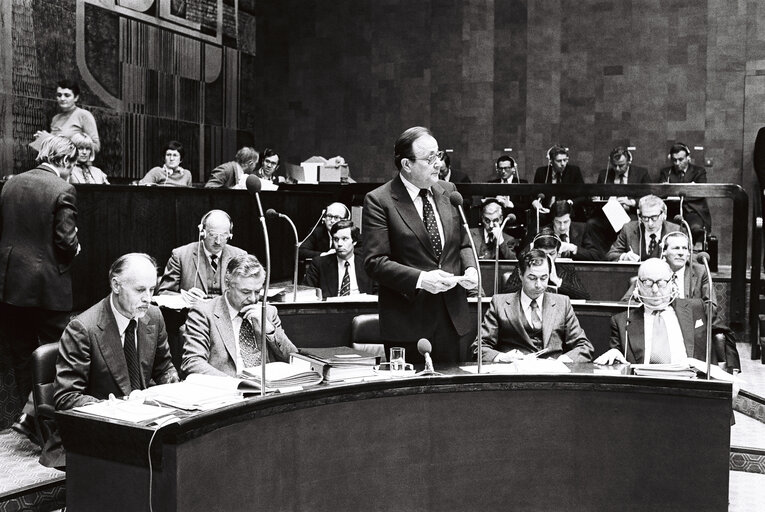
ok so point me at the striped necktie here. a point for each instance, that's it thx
(131, 356)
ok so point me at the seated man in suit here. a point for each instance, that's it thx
(620, 171)
(198, 267)
(531, 320)
(320, 242)
(489, 236)
(446, 172)
(569, 233)
(117, 346)
(557, 171)
(222, 336)
(695, 211)
(563, 278)
(233, 174)
(665, 329)
(506, 170)
(338, 274)
(644, 234)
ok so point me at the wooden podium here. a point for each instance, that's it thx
(579, 441)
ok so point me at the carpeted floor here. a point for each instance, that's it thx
(20, 472)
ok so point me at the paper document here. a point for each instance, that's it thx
(125, 410)
(615, 214)
(191, 396)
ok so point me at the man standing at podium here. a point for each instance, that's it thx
(417, 251)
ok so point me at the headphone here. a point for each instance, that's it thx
(546, 235)
(347, 211)
(505, 158)
(620, 150)
(679, 146)
(201, 226)
(667, 236)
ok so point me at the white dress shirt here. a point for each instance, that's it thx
(680, 280)
(526, 305)
(351, 274)
(675, 335)
(122, 323)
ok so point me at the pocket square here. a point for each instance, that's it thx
(699, 323)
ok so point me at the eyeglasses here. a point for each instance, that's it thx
(333, 217)
(218, 237)
(652, 218)
(432, 159)
(648, 283)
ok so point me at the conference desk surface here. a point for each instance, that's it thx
(594, 439)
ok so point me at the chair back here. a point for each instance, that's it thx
(365, 334)
(43, 375)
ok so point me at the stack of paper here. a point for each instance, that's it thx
(283, 375)
(134, 411)
(202, 392)
(667, 371)
(337, 363)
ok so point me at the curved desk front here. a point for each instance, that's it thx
(460, 442)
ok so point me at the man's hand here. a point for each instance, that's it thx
(194, 295)
(469, 281)
(626, 202)
(509, 357)
(610, 357)
(568, 247)
(331, 251)
(629, 256)
(251, 313)
(438, 281)
(536, 204)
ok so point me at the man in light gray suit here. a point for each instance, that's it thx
(198, 267)
(222, 336)
(532, 320)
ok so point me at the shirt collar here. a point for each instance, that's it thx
(413, 190)
(52, 168)
(122, 320)
(232, 313)
(526, 301)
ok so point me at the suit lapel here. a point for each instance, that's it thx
(332, 276)
(685, 319)
(198, 258)
(550, 313)
(409, 215)
(147, 342)
(636, 335)
(111, 348)
(515, 313)
(225, 327)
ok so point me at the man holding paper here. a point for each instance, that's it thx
(641, 239)
(222, 336)
(532, 322)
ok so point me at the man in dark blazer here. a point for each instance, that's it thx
(685, 324)
(417, 251)
(640, 239)
(570, 233)
(38, 242)
(489, 235)
(324, 271)
(93, 360)
(506, 171)
(557, 171)
(222, 336)
(516, 324)
(621, 172)
(452, 175)
(232, 174)
(320, 242)
(199, 267)
(695, 211)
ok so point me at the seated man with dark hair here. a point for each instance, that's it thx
(563, 278)
(222, 336)
(338, 274)
(488, 237)
(446, 172)
(532, 320)
(570, 233)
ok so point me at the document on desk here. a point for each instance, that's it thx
(284, 375)
(195, 394)
(529, 365)
(125, 410)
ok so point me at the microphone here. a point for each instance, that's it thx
(456, 199)
(678, 219)
(273, 214)
(510, 218)
(540, 198)
(424, 348)
(703, 257)
(254, 185)
(318, 221)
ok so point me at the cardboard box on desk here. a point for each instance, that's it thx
(312, 169)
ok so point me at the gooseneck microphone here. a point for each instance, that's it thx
(253, 187)
(540, 198)
(510, 218)
(318, 221)
(273, 214)
(456, 199)
(678, 219)
(703, 257)
(424, 348)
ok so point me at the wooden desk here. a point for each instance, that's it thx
(459, 442)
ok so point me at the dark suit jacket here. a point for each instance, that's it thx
(571, 175)
(38, 240)
(631, 236)
(636, 175)
(91, 361)
(758, 157)
(502, 328)
(184, 270)
(506, 248)
(223, 176)
(572, 286)
(315, 244)
(495, 179)
(694, 174)
(397, 248)
(458, 177)
(208, 339)
(322, 273)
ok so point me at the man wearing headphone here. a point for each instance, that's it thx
(640, 239)
(620, 171)
(664, 328)
(319, 243)
(506, 171)
(446, 172)
(557, 171)
(196, 270)
(695, 211)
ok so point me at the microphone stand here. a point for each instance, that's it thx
(480, 287)
(263, 347)
(496, 256)
(297, 249)
(709, 318)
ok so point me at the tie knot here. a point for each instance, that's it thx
(653, 236)
(657, 312)
(131, 325)
(347, 263)
(213, 257)
(534, 303)
(423, 193)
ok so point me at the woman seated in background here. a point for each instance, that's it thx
(171, 173)
(269, 163)
(84, 171)
(71, 119)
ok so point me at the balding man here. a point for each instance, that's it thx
(198, 267)
(232, 174)
(489, 236)
(320, 241)
(117, 346)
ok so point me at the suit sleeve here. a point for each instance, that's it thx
(377, 251)
(313, 275)
(171, 278)
(196, 344)
(65, 226)
(278, 342)
(577, 346)
(218, 178)
(615, 341)
(619, 247)
(572, 286)
(489, 334)
(309, 248)
(163, 371)
(73, 367)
